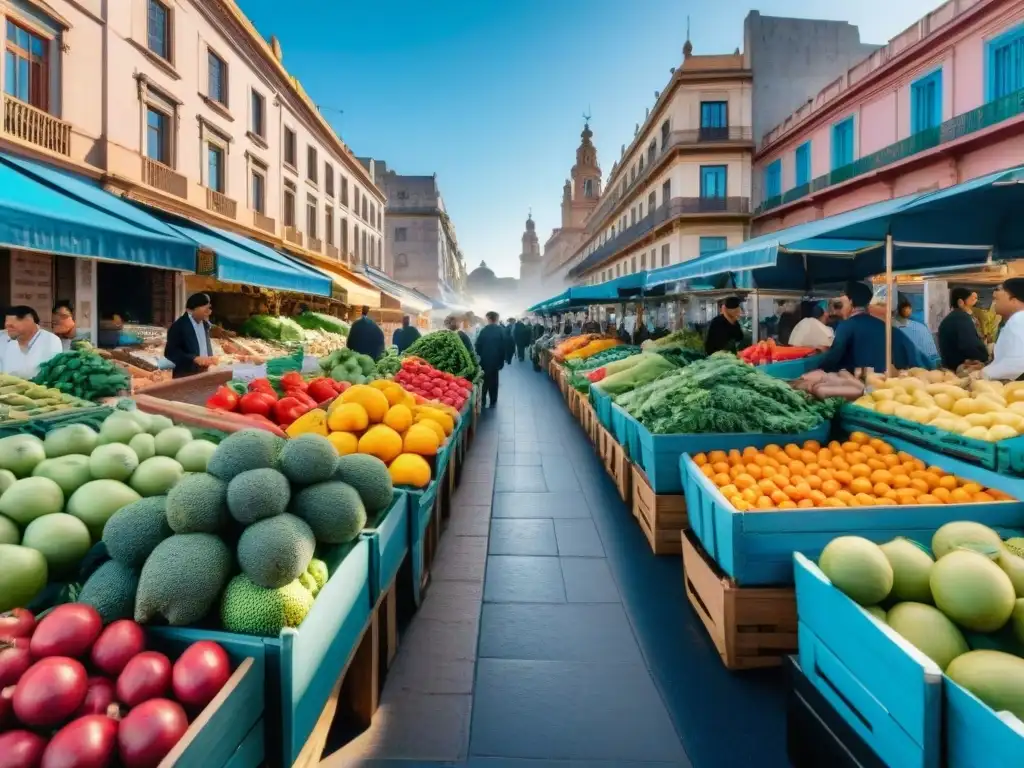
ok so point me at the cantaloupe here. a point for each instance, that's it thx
(929, 630)
(994, 677)
(972, 590)
(858, 568)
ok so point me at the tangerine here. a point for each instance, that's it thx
(919, 485)
(942, 494)
(830, 487)
(875, 463)
(805, 504)
(881, 489)
(859, 438)
(843, 477)
(764, 502)
(729, 490)
(720, 466)
(882, 476)
(834, 502)
(812, 445)
(721, 479)
(787, 505)
(792, 450)
(716, 456)
(973, 488)
(744, 481)
(755, 471)
(927, 498)
(982, 497)
(700, 459)
(860, 470)
(860, 485)
(960, 496)
(866, 500)
(948, 482)
(817, 497)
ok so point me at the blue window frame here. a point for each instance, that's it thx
(713, 245)
(926, 102)
(215, 168)
(1004, 61)
(803, 164)
(158, 36)
(714, 114)
(158, 136)
(773, 179)
(842, 143)
(713, 181)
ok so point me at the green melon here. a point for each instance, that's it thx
(172, 440)
(31, 497)
(877, 611)
(74, 438)
(119, 427)
(929, 630)
(9, 533)
(1013, 566)
(195, 455)
(952, 535)
(7, 479)
(858, 568)
(22, 577)
(21, 453)
(970, 589)
(156, 476)
(70, 472)
(96, 501)
(144, 446)
(994, 677)
(113, 461)
(62, 539)
(158, 423)
(911, 569)
(1017, 620)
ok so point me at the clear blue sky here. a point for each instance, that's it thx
(489, 95)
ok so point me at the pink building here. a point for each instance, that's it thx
(942, 103)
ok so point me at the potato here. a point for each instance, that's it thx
(992, 397)
(865, 402)
(886, 407)
(999, 432)
(980, 419)
(884, 394)
(977, 433)
(965, 406)
(944, 401)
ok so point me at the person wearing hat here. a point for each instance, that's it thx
(1008, 356)
(365, 336)
(917, 332)
(724, 332)
(188, 339)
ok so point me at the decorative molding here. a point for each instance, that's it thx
(159, 61)
(217, 107)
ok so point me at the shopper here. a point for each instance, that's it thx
(521, 335)
(914, 330)
(1008, 357)
(188, 339)
(491, 348)
(724, 332)
(811, 331)
(30, 346)
(452, 324)
(959, 340)
(365, 336)
(405, 336)
(63, 323)
(510, 340)
(590, 325)
(789, 319)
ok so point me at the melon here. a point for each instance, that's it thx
(1017, 620)
(994, 677)
(96, 501)
(119, 427)
(1013, 566)
(158, 423)
(877, 611)
(7, 479)
(142, 418)
(74, 438)
(113, 461)
(21, 453)
(970, 589)
(62, 540)
(156, 476)
(144, 446)
(952, 535)
(9, 533)
(31, 497)
(911, 569)
(22, 577)
(858, 568)
(929, 630)
(195, 455)
(172, 440)
(70, 472)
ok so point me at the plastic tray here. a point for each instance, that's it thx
(602, 403)
(659, 455)
(41, 425)
(791, 369)
(389, 544)
(755, 547)
(302, 665)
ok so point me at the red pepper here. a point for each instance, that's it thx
(224, 399)
(257, 403)
(287, 410)
(302, 397)
(261, 385)
(322, 389)
(293, 380)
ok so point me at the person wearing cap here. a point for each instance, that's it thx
(1008, 356)
(959, 340)
(724, 332)
(188, 339)
(916, 331)
(812, 331)
(365, 336)
(860, 338)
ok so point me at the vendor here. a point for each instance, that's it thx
(188, 339)
(959, 340)
(724, 332)
(789, 319)
(811, 331)
(30, 346)
(916, 331)
(63, 324)
(1008, 357)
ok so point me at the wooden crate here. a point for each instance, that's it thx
(661, 516)
(750, 626)
(619, 467)
(588, 419)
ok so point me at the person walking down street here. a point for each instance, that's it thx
(510, 340)
(366, 337)
(188, 339)
(452, 324)
(521, 335)
(405, 336)
(959, 340)
(567, 326)
(491, 349)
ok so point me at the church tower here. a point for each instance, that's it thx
(530, 258)
(581, 195)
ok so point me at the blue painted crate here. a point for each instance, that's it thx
(791, 369)
(755, 547)
(389, 544)
(250, 752)
(421, 508)
(975, 735)
(602, 403)
(624, 431)
(302, 665)
(885, 689)
(660, 455)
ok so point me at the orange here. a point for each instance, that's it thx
(881, 476)
(937, 471)
(927, 498)
(792, 450)
(751, 495)
(932, 479)
(835, 503)
(942, 494)
(778, 497)
(860, 470)
(812, 468)
(721, 479)
(859, 438)
(720, 466)
(805, 504)
(866, 500)
(900, 481)
(867, 450)
(918, 464)
(817, 497)
(736, 471)
(824, 453)
(764, 502)
(908, 492)
(812, 445)
(826, 463)
(830, 487)
(877, 443)
(803, 489)
(797, 467)
(973, 488)
(885, 449)
(825, 474)
(808, 457)
(744, 481)
(708, 470)
(857, 457)
(755, 471)
(791, 492)
(904, 456)
(920, 485)
(787, 505)
(849, 446)
(982, 497)
(959, 496)
(890, 460)
(749, 452)
(909, 501)
(881, 489)
(840, 464)
(715, 456)
(767, 485)
(729, 490)
(860, 485)
(854, 503)
(999, 495)
(784, 471)
(771, 449)
(795, 479)
(700, 459)
(761, 460)
(772, 462)
(735, 456)
(813, 481)
(875, 463)
(844, 495)
(835, 446)
(948, 482)
(843, 477)
(892, 497)
(740, 505)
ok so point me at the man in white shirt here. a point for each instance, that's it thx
(30, 346)
(811, 331)
(1008, 358)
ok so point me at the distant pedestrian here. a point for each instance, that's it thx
(366, 337)
(405, 336)
(510, 340)
(521, 335)
(452, 324)
(491, 348)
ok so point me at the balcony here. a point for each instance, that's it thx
(221, 203)
(34, 126)
(333, 252)
(163, 178)
(676, 208)
(293, 236)
(264, 222)
(952, 130)
(315, 244)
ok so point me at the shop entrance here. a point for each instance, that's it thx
(133, 296)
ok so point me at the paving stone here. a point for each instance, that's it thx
(452, 601)
(556, 504)
(460, 558)
(519, 459)
(469, 521)
(519, 479)
(578, 538)
(511, 536)
(441, 640)
(474, 494)
(588, 580)
(514, 579)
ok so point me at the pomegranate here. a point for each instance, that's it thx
(199, 674)
(88, 742)
(99, 695)
(7, 707)
(68, 630)
(146, 676)
(116, 644)
(15, 659)
(149, 732)
(50, 691)
(21, 749)
(17, 622)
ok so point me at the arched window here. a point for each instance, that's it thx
(401, 260)
(588, 188)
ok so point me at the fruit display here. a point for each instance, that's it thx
(861, 472)
(571, 344)
(279, 399)
(420, 378)
(348, 366)
(768, 351)
(592, 348)
(445, 351)
(21, 399)
(981, 410)
(83, 374)
(77, 694)
(961, 602)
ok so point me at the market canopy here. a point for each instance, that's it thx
(46, 210)
(411, 301)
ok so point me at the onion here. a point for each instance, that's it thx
(99, 695)
(88, 742)
(149, 732)
(17, 622)
(116, 644)
(50, 691)
(199, 674)
(21, 749)
(146, 676)
(68, 630)
(15, 659)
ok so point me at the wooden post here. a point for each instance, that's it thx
(888, 305)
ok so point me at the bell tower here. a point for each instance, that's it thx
(581, 195)
(530, 258)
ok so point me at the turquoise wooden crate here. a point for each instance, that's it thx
(389, 544)
(791, 369)
(602, 403)
(659, 455)
(421, 508)
(250, 752)
(977, 737)
(624, 430)
(755, 547)
(302, 665)
(885, 689)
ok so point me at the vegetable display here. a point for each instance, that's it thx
(445, 351)
(21, 399)
(644, 368)
(420, 378)
(272, 328)
(390, 363)
(571, 344)
(592, 348)
(685, 339)
(317, 321)
(83, 374)
(106, 699)
(346, 365)
(764, 352)
(280, 400)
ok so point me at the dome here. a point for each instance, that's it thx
(530, 225)
(483, 272)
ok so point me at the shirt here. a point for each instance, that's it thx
(722, 335)
(1008, 357)
(43, 346)
(860, 343)
(919, 336)
(811, 332)
(959, 340)
(200, 329)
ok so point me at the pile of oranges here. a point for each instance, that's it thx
(861, 472)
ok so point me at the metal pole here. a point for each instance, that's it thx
(888, 305)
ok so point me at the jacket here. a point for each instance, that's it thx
(490, 346)
(860, 343)
(404, 337)
(182, 347)
(521, 332)
(959, 340)
(366, 338)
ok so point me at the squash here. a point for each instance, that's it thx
(977, 433)
(944, 400)
(344, 442)
(421, 440)
(437, 429)
(992, 397)
(865, 402)
(886, 407)
(980, 419)
(411, 470)
(965, 407)
(440, 417)
(883, 394)
(398, 417)
(312, 422)
(373, 401)
(381, 441)
(348, 417)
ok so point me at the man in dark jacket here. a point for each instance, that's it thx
(491, 348)
(405, 336)
(521, 334)
(188, 339)
(724, 332)
(510, 340)
(366, 337)
(590, 325)
(959, 341)
(452, 324)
